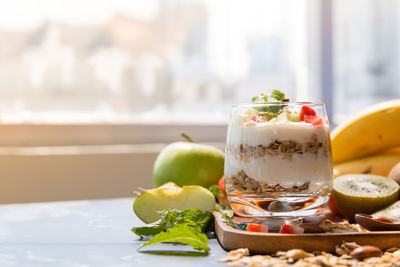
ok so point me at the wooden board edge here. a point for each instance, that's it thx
(266, 243)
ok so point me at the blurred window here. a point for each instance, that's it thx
(188, 61)
(366, 54)
(150, 61)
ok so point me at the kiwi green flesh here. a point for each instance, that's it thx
(363, 194)
(391, 212)
(293, 117)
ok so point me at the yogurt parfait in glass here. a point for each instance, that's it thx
(278, 158)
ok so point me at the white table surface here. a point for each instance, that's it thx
(81, 233)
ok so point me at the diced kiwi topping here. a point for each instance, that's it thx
(293, 117)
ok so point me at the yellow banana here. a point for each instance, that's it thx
(374, 129)
(378, 164)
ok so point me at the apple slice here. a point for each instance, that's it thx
(171, 196)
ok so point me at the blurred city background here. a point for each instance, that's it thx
(188, 61)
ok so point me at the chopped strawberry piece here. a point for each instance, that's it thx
(260, 118)
(221, 185)
(310, 119)
(257, 227)
(315, 120)
(224, 199)
(291, 229)
(332, 205)
(318, 122)
(306, 111)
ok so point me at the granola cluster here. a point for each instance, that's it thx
(299, 257)
(245, 184)
(341, 227)
(287, 148)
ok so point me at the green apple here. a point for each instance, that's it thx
(186, 163)
(171, 196)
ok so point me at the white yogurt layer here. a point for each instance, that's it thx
(266, 132)
(286, 172)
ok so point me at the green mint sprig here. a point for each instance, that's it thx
(275, 94)
(271, 110)
(228, 215)
(184, 234)
(187, 227)
(216, 190)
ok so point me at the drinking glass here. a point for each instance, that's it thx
(278, 159)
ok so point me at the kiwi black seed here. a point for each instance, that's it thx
(363, 193)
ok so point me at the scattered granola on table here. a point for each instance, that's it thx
(345, 248)
(341, 227)
(301, 258)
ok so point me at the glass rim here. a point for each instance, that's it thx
(321, 104)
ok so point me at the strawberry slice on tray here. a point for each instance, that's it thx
(291, 229)
(257, 227)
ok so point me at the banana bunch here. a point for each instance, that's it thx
(369, 142)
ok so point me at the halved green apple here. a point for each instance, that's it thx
(171, 196)
(186, 163)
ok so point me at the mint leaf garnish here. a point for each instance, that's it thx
(221, 207)
(151, 229)
(228, 215)
(184, 234)
(275, 94)
(216, 190)
(195, 218)
(270, 111)
(278, 95)
(187, 227)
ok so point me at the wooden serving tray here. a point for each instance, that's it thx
(266, 243)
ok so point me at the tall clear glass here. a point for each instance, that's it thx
(278, 159)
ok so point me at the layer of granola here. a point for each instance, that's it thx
(287, 148)
(248, 185)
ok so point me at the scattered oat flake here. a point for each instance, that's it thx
(341, 227)
(235, 255)
(301, 258)
(345, 248)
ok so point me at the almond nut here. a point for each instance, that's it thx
(364, 252)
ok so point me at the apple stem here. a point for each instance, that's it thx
(135, 193)
(187, 137)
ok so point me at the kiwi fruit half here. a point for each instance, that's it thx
(392, 212)
(363, 193)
